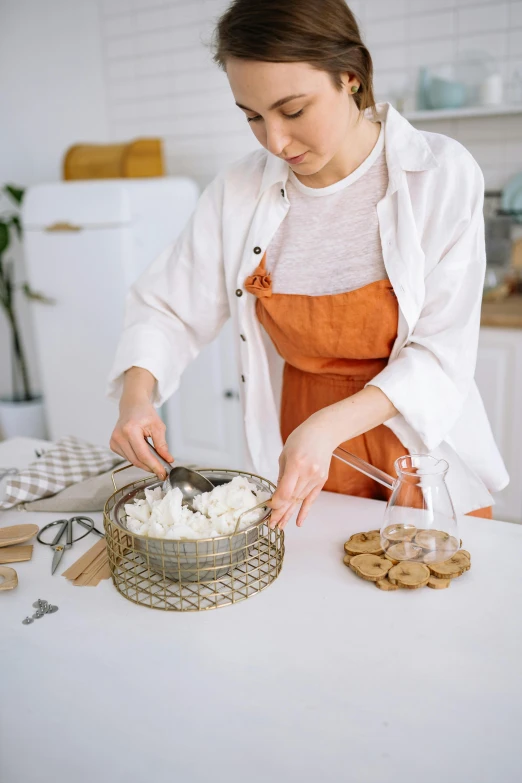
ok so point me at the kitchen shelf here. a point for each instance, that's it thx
(506, 313)
(464, 112)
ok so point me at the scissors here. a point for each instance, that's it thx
(66, 526)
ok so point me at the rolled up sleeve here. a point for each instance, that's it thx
(429, 380)
(178, 305)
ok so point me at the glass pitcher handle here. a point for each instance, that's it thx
(364, 467)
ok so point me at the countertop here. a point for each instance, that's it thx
(505, 313)
(321, 677)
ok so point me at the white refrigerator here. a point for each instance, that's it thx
(85, 244)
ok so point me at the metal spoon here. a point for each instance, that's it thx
(190, 482)
(263, 504)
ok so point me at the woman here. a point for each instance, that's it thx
(355, 242)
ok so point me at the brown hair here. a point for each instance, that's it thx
(323, 33)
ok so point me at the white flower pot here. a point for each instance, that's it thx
(22, 419)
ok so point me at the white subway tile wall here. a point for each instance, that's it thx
(161, 80)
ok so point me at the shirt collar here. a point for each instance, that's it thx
(406, 149)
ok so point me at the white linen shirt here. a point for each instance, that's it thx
(432, 236)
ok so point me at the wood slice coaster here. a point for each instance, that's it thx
(370, 567)
(455, 566)
(435, 539)
(430, 558)
(389, 574)
(404, 550)
(398, 533)
(385, 584)
(409, 575)
(364, 543)
(438, 584)
(437, 545)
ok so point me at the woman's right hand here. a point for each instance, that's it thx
(138, 421)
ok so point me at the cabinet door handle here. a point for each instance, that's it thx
(63, 226)
(231, 394)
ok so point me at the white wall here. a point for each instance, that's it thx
(92, 70)
(52, 94)
(404, 35)
(161, 80)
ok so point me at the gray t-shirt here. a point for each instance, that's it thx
(329, 241)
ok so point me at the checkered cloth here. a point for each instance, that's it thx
(67, 462)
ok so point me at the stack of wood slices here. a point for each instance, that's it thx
(406, 557)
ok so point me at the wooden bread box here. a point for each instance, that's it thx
(137, 158)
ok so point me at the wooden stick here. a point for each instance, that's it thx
(105, 573)
(85, 578)
(85, 560)
(11, 579)
(16, 554)
(95, 578)
(95, 565)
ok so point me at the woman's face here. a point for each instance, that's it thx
(295, 111)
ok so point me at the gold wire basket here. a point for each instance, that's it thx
(190, 576)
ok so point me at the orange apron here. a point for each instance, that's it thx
(333, 345)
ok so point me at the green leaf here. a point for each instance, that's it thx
(4, 236)
(17, 223)
(16, 194)
(36, 296)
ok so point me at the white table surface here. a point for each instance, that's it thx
(322, 677)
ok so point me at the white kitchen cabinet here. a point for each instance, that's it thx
(499, 378)
(204, 418)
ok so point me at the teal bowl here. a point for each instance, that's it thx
(443, 94)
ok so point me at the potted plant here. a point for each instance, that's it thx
(22, 412)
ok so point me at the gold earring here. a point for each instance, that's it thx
(355, 88)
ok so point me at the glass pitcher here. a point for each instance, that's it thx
(419, 521)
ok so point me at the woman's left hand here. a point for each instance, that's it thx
(303, 470)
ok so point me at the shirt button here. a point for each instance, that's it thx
(282, 192)
(243, 337)
(243, 378)
(239, 292)
(257, 250)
